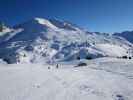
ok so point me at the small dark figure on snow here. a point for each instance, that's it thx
(57, 66)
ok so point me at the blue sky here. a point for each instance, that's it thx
(94, 15)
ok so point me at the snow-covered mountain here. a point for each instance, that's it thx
(128, 35)
(46, 41)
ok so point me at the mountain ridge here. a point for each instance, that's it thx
(128, 35)
(47, 41)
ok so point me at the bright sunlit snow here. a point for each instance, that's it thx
(50, 59)
(101, 79)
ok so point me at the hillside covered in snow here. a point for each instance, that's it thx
(50, 40)
(51, 59)
(128, 35)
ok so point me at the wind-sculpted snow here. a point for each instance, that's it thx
(101, 79)
(48, 41)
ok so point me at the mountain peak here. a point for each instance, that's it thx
(49, 23)
(64, 24)
(46, 22)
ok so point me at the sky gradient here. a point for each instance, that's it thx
(93, 15)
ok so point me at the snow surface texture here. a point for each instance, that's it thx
(49, 41)
(101, 79)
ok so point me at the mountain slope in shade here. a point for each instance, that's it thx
(46, 41)
(128, 35)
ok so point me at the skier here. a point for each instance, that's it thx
(49, 67)
(57, 66)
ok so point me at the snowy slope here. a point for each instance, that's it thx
(46, 41)
(112, 50)
(39, 45)
(97, 51)
(5, 31)
(128, 35)
(102, 79)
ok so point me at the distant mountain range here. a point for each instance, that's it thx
(51, 40)
(128, 35)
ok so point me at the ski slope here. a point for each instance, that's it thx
(102, 79)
